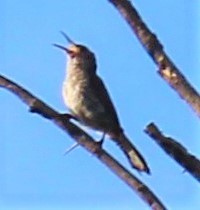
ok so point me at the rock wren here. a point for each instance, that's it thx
(88, 100)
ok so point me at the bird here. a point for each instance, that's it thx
(89, 102)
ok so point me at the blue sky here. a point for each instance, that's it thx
(34, 173)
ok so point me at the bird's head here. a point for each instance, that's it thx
(76, 51)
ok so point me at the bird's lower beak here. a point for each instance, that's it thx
(63, 48)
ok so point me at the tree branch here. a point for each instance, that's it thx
(166, 68)
(175, 150)
(82, 138)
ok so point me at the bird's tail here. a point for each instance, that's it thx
(135, 158)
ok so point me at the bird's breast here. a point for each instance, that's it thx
(73, 91)
(81, 101)
(77, 96)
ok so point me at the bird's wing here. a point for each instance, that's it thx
(105, 100)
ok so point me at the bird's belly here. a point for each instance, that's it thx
(79, 100)
(83, 104)
(73, 97)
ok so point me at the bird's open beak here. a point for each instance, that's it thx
(63, 48)
(68, 51)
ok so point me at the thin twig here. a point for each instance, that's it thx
(83, 139)
(166, 68)
(71, 148)
(175, 150)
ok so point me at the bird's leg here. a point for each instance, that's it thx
(98, 145)
(100, 142)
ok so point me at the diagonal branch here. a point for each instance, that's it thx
(82, 138)
(166, 68)
(174, 149)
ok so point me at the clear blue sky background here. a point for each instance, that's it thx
(34, 174)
